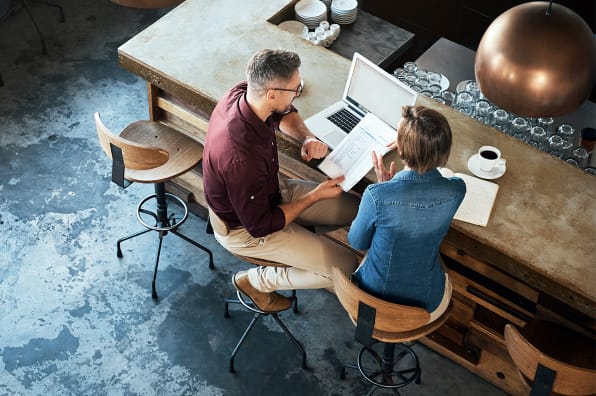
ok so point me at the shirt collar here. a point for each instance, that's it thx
(254, 121)
(408, 174)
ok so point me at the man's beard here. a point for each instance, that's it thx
(283, 112)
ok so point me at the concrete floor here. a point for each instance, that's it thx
(75, 319)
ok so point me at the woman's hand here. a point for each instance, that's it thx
(382, 173)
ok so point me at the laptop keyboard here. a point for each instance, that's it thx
(344, 119)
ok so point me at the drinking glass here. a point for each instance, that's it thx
(581, 155)
(566, 131)
(434, 78)
(410, 67)
(400, 73)
(591, 170)
(410, 79)
(547, 123)
(472, 87)
(423, 82)
(555, 145)
(435, 89)
(426, 92)
(421, 74)
(448, 96)
(482, 111)
(464, 102)
(500, 120)
(572, 161)
(520, 128)
(439, 99)
(567, 147)
(538, 138)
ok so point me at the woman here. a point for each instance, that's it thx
(403, 218)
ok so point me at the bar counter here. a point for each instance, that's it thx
(540, 240)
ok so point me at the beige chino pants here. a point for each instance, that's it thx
(309, 256)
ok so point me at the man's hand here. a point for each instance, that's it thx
(382, 173)
(328, 189)
(313, 148)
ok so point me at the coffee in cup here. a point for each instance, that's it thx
(489, 157)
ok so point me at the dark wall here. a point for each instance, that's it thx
(462, 21)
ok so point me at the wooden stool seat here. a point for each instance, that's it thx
(391, 324)
(552, 358)
(164, 153)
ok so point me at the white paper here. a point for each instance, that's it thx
(352, 157)
(478, 201)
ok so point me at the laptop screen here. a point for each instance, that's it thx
(372, 89)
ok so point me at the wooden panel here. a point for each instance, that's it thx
(489, 271)
(465, 286)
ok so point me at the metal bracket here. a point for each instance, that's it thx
(118, 167)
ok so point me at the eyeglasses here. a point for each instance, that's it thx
(297, 91)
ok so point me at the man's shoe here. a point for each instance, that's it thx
(266, 302)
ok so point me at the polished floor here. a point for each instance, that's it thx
(77, 320)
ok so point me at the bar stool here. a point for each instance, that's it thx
(258, 314)
(223, 229)
(151, 152)
(552, 359)
(379, 321)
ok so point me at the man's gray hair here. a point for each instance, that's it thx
(271, 66)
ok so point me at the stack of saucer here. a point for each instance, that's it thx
(310, 12)
(344, 12)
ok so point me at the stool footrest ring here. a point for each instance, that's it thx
(166, 225)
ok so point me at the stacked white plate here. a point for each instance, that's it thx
(344, 12)
(310, 12)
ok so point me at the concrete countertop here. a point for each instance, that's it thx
(544, 215)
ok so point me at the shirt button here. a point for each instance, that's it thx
(252, 197)
(272, 143)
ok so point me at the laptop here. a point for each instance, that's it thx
(369, 89)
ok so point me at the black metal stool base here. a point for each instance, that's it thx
(391, 371)
(163, 223)
(257, 315)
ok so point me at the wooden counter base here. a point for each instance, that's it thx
(485, 296)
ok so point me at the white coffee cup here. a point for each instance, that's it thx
(489, 157)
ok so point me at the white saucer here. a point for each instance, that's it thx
(494, 173)
(444, 83)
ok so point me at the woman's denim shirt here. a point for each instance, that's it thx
(402, 222)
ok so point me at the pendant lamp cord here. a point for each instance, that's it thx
(550, 7)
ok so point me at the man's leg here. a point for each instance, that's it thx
(309, 256)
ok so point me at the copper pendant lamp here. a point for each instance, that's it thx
(537, 59)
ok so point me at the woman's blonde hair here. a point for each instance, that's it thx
(423, 138)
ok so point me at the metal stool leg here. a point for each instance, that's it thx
(43, 42)
(244, 335)
(136, 234)
(162, 223)
(292, 338)
(153, 292)
(62, 19)
(194, 243)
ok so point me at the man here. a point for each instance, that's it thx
(256, 214)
